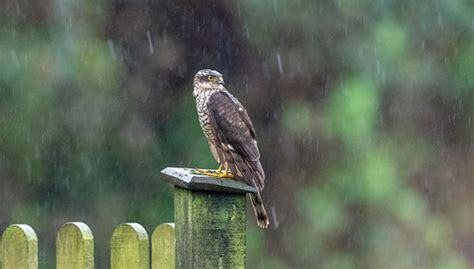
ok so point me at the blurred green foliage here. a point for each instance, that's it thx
(364, 113)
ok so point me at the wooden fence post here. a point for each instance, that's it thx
(75, 247)
(210, 220)
(19, 247)
(129, 247)
(163, 247)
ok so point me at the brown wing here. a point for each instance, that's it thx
(235, 135)
(233, 125)
(236, 141)
(245, 117)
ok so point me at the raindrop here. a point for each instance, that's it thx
(280, 66)
(275, 219)
(110, 43)
(67, 183)
(377, 64)
(247, 33)
(150, 43)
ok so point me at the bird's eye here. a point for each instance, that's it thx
(211, 78)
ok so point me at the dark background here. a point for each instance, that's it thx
(363, 109)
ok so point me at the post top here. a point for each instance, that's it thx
(189, 178)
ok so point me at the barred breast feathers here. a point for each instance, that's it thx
(202, 97)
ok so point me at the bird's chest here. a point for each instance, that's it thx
(203, 113)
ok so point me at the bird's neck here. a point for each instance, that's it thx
(200, 90)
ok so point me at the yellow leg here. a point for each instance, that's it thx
(217, 173)
(219, 170)
(227, 173)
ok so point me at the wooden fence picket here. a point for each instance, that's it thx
(163, 247)
(209, 232)
(75, 247)
(19, 247)
(130, 247)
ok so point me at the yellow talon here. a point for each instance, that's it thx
(226, 173)
(216, 173)
(209, 173)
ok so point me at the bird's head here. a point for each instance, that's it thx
(208, 79)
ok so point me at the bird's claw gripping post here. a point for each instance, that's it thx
(217, 173)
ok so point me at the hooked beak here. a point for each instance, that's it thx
(221, 81)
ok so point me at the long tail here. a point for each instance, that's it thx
(251, 172)
(259, 210)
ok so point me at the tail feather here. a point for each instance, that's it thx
(259, 210)
(251, 172)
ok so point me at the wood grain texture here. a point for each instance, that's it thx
(210, 229)
(163, 242)
(75, 247)
(19, 247)
(130, 247)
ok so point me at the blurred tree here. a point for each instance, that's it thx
(363, 109)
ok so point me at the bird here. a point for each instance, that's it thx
(231, 137)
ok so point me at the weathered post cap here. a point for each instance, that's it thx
(189, 178)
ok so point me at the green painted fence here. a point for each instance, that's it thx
(130, 247)
(210, 232)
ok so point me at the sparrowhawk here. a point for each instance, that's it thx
(231, 136)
